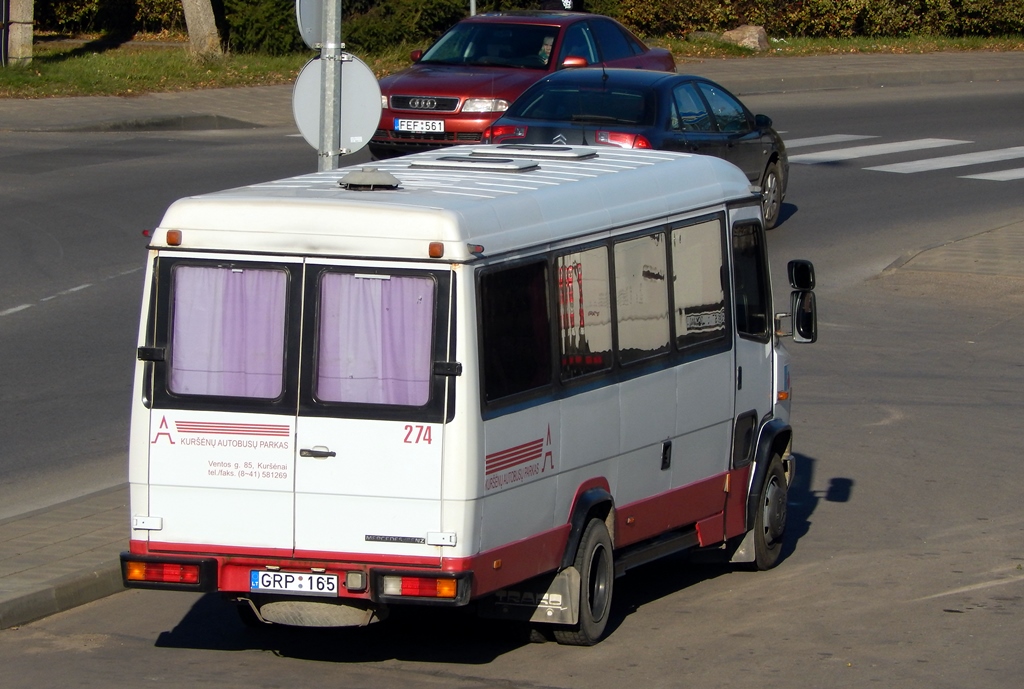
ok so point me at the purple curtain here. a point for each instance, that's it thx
(375, 336)
(227, 337)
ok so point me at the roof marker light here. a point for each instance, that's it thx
(173, 237)
(436, 250)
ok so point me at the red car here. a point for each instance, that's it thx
(463, 82)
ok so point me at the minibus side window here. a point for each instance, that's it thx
(515, 328)
(584, 312)
(227, 331)
(750, 276)
(375, 339)
(641, 297)
(697, 284)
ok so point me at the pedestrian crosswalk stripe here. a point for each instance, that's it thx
(822, 140)
(946, 162)
(853, 152)
(1001, 176)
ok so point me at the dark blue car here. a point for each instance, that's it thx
(633, 108)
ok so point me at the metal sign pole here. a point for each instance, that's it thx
(330, 108)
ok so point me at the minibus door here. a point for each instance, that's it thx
(754, 366)
(222, 399)
(369, 432)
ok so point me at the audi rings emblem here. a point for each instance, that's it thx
(422, 103)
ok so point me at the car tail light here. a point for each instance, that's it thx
(504, 132)
(421, 587)
(163, 572)
(622, 140)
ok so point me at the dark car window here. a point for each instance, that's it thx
(691, 115)
(729, 114)
(578, 42)
(507, 45)
(612, 41)
(636, 46)
(581, 104)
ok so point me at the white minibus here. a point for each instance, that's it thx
(492, 376)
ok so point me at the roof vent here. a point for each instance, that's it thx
(539, 151)
(488, 164)
(369, 179)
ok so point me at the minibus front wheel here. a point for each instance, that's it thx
(770, 518)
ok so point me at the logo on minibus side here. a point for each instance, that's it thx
(519, 464)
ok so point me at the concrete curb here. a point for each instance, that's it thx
(63, 594)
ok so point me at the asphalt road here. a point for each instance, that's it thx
(75, 206)
(905, 560)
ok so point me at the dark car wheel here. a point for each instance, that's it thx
(771, 195)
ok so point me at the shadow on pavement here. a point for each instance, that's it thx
(436, 635)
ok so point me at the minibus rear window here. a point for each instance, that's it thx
(227, 331)
(375, 339)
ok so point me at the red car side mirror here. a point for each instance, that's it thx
(574, 61)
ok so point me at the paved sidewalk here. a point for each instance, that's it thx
(66, 555)
(63, 556)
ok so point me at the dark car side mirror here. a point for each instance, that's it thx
(416, 55)
(762, 121)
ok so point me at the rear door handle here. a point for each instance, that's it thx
(318, 452)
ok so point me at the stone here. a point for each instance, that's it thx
(747, 36)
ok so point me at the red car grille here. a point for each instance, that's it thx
(457, 137)
(424, 103)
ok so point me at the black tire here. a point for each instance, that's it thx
(771, 195)
(770, 518)
(595, 564)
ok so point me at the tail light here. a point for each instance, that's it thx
(502, 133)
(622, 140)
(162, 572)
(420, 587)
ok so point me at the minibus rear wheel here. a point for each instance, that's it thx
(770, 518)
(597, 575)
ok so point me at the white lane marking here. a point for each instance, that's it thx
(67, 291)
(15, 309)
(839, 154)
(973, 587)
(821, 140)
(946, 162)
(1001, 176)
(71, 290)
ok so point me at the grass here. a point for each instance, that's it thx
(90, 66)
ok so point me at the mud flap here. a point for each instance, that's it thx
(745, 550)
(551, 599)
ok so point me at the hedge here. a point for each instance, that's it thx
(371, 25)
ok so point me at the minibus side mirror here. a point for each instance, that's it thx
(805, 316)
(801, 274)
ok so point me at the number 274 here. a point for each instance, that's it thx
(417, 434)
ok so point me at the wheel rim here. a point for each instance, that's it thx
(770, 197)
(597, 586)
(774, 511)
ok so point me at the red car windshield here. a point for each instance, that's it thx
(579, 104)
(504, 45)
